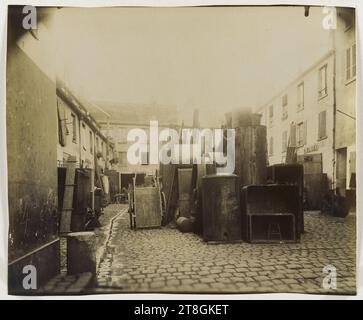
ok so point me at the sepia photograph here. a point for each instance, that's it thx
(184, 150)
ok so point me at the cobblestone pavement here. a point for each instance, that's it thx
(166, 260)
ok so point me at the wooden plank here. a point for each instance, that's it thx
(168, 177)
(147, 207)
(185, 191)
(67, 207)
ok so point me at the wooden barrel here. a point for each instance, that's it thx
(221, 208)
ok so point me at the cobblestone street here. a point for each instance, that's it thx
(166, 260)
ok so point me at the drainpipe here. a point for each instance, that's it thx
(334, 112)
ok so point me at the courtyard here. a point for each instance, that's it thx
(166, 260)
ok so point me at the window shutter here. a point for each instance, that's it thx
(144, 158)
(354, 67)
(304, 132)
(323, 120)
(62, 128)
(271, 111)
(292, 135)
(322, 125)
(319, 125)
(348, 64)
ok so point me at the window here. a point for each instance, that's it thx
(74, 128)
(284, 107)
(323, 90)
(300, 96)
(351, 68)
(122, 158)
(349, 22)
(123, 135)
(144, 158)
(322, 125)
(292, 142)
(90, 142)
(271, 114)
(301, 134)
(271, 146)
(102, 148)
(62, 128)
(284, 141)
(97, 147)
(84, 136)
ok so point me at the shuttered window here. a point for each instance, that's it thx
(271, 146)
(301, 134)
(292, 142)
(323, 90)
(271, 114)
(354, 61)
(351, 69)
(322, 125)
(122, 158)
(284, 141)
(300, 96)
(284, 107)
(62, 127)
(144, 158)
(348, 64)
(90, 142)
(74, 128)
(83, 137)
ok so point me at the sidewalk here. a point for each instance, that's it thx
(81, 283)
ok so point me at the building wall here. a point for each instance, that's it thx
(81, 140)
(87, 145)
(345, 38)
(313, 104)
(71, 146)
(118, 133)
(31, 147)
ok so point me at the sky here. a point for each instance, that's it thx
(212, 58)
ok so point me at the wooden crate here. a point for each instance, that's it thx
(271, 228)
(268, 200)
(147, 207)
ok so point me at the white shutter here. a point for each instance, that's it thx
(304, 132)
